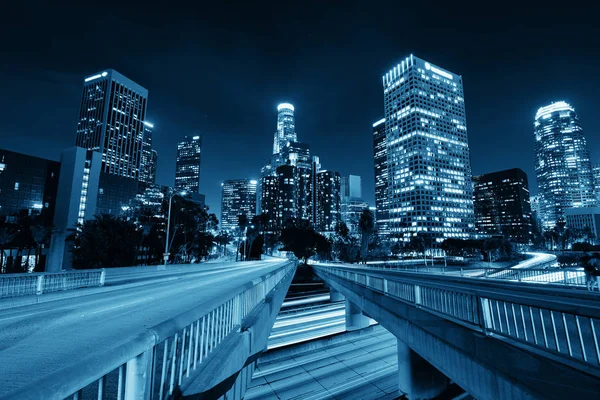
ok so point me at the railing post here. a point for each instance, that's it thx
(417, 294)
(40, 284)
(566, 277)
(519, 275)
(102, 277)
(138, 376)
(484, 314)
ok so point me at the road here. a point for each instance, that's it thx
(308, 323)
(38, 339)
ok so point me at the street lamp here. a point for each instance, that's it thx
(172, 194)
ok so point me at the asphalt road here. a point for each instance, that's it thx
(39, 339)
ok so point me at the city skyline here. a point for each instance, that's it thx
(490, 82)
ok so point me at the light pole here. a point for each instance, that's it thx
(171, 195)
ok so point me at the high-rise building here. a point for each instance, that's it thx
(27, 184)
(501, 202)
(562, 163)
(351, 187)
(270, 199)
(596, 177)
(381, 176)
(238, 197)
(187, 171)
(287, 198)
(429, 170)
(328, 199)
(148, 166)
(111, 122)
(286, 127)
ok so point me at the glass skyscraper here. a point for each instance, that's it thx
(429, 171)
(148, 166)
(286, 127)
(111, 121)
(502, 208)
(187, 169)
(562, 163)
(328, 199)
(381, 176)
(238, 197)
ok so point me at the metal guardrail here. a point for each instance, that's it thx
(564, 276)
(556, 324)
(156, 362)
(14, 285)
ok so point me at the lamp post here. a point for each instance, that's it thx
(172, 194)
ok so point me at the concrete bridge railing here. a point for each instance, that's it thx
(157, 362)
(14, 285)
(552, 322)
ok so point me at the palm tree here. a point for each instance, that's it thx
(366, 226)
(6, 237)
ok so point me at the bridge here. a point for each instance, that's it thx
(513, 334)
(142, 333)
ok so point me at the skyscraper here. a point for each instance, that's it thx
(287, 204)
(429, 170)
(596, 176)
(113, 109)
(351, 186)
(187, 170)
(148, 168)
(562, 163)
(238, 197)
(501, 202)
(328, 199)
(381, 176)
(351, 202)
(286, 127)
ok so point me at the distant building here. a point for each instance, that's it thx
(596, 177)
(350, 210)
(381, 176)
(562, 163)
(238, 197)
(111, 116)
(328, 195)
(187, 170)
(429, 168)
(582, 218)
(149, 156)
(286, 127)
(287, 205)
(501, 202)
(270, 199)
(27, 185)
(351, 187)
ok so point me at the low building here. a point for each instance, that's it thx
(582, 218)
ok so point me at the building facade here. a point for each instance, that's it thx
(328, 198)
(502, 207)
(27, 185)
(429, 171)
(286, 127)
(562, 163)
(351, 187)
(111, 122)
(149, 156)
(596, 177)
(584, 219)
(381, 177)
(238, 197)
(187, 169)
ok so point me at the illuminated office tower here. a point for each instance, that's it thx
(148, 166)
(269, 194)
(596, 176)
(562, 163)
(351, 205)
(238, 197)
(502, 207)
(429, 171)
(381, 177)
(111, 117)
(350, 187)
(187, 171)
(328, 200)
(287, 198)
(286, 127)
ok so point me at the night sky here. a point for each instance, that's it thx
(221, 69)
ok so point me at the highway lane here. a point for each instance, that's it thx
(38, 339)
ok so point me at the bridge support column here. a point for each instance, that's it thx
(355, 319)
(334, 295)
(417, 378)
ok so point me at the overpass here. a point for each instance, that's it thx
(498, 335)
(145, 334)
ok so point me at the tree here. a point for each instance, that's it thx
(104, 242)
(588, 233)
(301, 239)
(40, 234)
(7, 235)
(366, 226)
